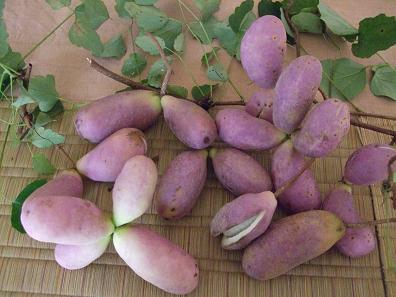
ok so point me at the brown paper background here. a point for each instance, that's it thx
(27, 267)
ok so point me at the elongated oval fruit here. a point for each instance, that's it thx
(290, 242)
(190, 123)
(181, 184)
(263, 48)
(295, 91)
(369, 164)
(65, 220)
(105, 161)
(133, 109)
(156, 259)
(359, 241)
(134, 189)
(79, 256)
(243, 131)
(238, 172)
(243, 219)
(322, 129)
(66, 183)
(260, 104)
(304, 193)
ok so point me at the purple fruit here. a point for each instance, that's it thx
(304, 193)
(295, 91)
(322, 129)
(369, 164)
(133, 109)
(243, 219)
(260, 104)
(357, 241)
(182, 184)
(190, 123)
(243, 131)
(238, 172)
(262, 50)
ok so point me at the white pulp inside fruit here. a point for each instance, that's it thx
(235, 233)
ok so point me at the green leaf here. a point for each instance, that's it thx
(296, 6)
(228, 39)
(383, 82)
(249, 18)
(209, 26)
(207, 7)
(42, 119)
(235, 19)
(147, 45)
(169, 33)
(157, 73)
(343, 78)
(267, 7)
(335, 22)
(22, 100)
(12, 60)
(45, 138)
(145, 2)
(42, 165)
(119, 7)
(375, 34)
(20, 199)
(209, 56)
(289, 31)
(134, 65)
(179, 43)
(217, 72)
(177, 91)
(114, 48)
(42, 90)
(58, 4)
(92, 13)
(202, 91)
(82, 35)
(4, 48)
(307, 22)
(148, 18)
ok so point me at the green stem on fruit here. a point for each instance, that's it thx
(47, 36)
(291, 181)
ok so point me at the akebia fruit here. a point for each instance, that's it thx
(369, 164)
(290, 242)
(79, 256)
(304, 193)
(243, 219)
(182, 184)
(190, 123)
(323, 128)
(243, 131)
(262, 50)
(156, 259)
(260, 104)
(238, 172)
(295, 91)
(64, 220)
(105, 161)
(134, 189)
(132, 109)
(357, 241)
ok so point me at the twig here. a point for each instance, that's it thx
(393, 141)
(60, 148)
(296, 33)
(322, 93)
(371, 223)
(126, 81)
(373, 115)
(294, 178)
(225, 103)
(357, 123)
(168, 66)
(26, 116)
(390, 171)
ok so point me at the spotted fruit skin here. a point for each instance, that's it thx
(261, 103)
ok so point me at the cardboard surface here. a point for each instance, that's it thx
(27, 267)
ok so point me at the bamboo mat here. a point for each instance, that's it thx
(27, 267)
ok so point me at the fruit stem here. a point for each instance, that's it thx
(295, 31)
(167, 65)
(373, 128)
(291, 181)
(371, 223)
